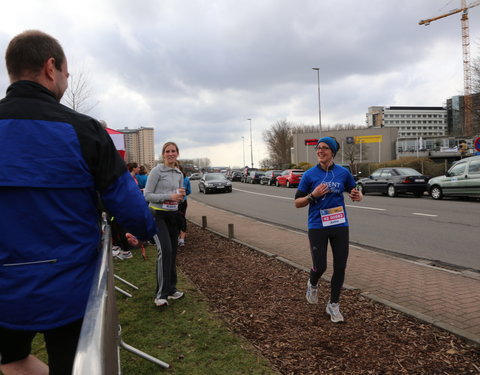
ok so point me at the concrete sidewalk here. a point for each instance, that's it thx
(445, 298)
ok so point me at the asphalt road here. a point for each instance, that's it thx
(445, 232)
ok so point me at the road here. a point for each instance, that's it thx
(445, 232)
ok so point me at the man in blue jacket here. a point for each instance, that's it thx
(56, 166)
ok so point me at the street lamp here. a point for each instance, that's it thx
(243, 142)
(319, 111)
(251, 143)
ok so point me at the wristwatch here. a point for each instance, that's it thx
(311, 197)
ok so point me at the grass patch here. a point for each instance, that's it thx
(186, 334)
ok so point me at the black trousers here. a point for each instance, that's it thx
(339, 242)
(168, 225)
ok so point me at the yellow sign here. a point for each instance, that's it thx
(368, 139)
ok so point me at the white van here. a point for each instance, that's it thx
(461, 180)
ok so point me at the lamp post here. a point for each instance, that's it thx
(243, 142)
(319, 110)
(251, 143)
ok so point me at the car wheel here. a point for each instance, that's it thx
(391, 191)
(288, 184)
(199, 189)
(436, 192)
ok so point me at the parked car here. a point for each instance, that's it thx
(270, 177)
(213, 182)
(289, 177)
(195, 176)
(234, 175)
(394, 181)
(245, 172)
(461, 180)
(254, 177)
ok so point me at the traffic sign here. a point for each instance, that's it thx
(477, 144)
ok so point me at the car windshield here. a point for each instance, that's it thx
(407, 172)
(215, 176)
(298, 172)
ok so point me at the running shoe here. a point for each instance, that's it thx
(159, 302)
(333, 309)
(312, 293)
(176, 295)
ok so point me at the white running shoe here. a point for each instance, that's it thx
(333, 309)
(125, 255)
(161, 302)
(176, 295)
(312, 293)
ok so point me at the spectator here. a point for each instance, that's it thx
(165, 191)
(322, 187)
(56, 164)
(142, 177)
(133, 168)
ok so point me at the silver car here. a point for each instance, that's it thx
(461, 180)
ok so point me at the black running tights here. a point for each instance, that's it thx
(338, 237)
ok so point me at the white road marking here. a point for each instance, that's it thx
(266, 195)
(420, 214)
(367, 208)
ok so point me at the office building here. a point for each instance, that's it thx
(139, 146)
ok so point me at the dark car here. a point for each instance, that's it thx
(289, 177)
(394, 181)
(213, 182)
(270, 177)
(254, 177)
(234, 175)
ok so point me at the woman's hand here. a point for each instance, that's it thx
(355, 195)
(320, 190)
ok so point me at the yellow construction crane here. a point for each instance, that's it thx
(467, 77)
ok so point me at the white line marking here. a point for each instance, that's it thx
(266, 195)
(367, 208)
(420, 214)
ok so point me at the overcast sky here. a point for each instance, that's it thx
(196, 70)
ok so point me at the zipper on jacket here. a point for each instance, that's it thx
(28, 263)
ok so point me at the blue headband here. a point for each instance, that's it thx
(332, 143)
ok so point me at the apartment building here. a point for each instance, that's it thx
(412, 122)
(139, 146)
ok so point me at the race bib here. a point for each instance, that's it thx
(170, 205)
(332, 216)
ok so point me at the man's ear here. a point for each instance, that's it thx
(49, 69)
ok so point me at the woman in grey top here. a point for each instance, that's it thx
(164, 191)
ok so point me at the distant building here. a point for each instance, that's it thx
(456, 116)
(139, 145)
(411, 122)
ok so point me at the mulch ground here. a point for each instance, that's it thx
(263, 300)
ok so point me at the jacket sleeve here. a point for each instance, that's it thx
(124, 201)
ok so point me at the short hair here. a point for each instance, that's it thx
(27, 52)
(131, 166)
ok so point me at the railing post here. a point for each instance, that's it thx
(204, 222)
(230, 231)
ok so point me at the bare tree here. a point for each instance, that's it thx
(279, 140)
(78, 94)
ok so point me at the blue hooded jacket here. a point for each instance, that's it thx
(56, 167)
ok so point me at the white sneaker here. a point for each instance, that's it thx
(333, 309)
(181, 242)
(176, 295)
(161, 302)
(312, 293)
(125, 255)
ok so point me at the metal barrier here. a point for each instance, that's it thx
(100, 337)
